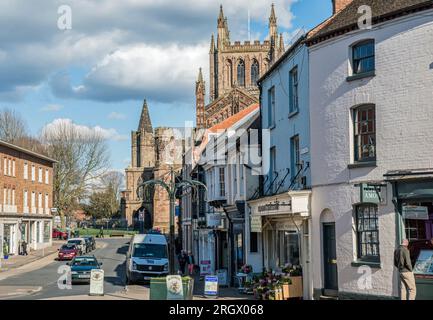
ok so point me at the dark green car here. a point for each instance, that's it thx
(81, 268)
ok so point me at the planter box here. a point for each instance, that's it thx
(294, 290)
(158, 288)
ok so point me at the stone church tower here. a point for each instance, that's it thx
(142, 165)
(235, 68)
(153, 153)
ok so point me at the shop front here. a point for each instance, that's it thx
(415, 222)
(285, 230)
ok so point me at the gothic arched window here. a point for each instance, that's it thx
(228, 73)
(255, 72)
(241, 73)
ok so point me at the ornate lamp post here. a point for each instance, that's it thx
(172, 189)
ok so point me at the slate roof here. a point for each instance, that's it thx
(346, 20)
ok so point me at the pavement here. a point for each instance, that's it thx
(18, 261)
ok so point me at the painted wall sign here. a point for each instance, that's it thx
(256, 224)
(205, 267)
(415, 212)
(97, 282)
(269, 207)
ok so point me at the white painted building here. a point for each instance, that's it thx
(371, 129)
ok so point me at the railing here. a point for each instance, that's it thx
(272, 183)
(257, 191)
(282, 181)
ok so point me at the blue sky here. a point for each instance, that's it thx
(98, 73)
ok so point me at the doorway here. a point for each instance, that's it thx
(330, 260)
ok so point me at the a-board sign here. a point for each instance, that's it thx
(174, 287)
(211, 286)
(97, 282)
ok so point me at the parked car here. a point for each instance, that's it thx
(147, 257)
(59, 234)
(81, 268)
(92, 242)
(81, 244)
(68, 251)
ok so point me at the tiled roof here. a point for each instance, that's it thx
(346, 20)
(229, 122)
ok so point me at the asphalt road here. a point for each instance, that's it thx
(45, 279)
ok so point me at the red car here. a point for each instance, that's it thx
(68, 251)
(58, 234)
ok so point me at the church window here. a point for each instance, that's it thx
(254, 72)
(241, 73)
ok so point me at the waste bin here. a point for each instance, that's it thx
(158, 288)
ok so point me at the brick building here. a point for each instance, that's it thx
(26, 198)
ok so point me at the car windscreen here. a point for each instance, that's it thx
(69, 246)
(75, 241)
(149, 250)
(82, 262)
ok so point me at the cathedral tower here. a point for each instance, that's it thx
(200, 101)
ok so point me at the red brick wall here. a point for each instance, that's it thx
(19, 184)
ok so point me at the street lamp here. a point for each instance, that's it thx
(172, 188)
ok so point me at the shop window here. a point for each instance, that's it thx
(415, 229)
(288, 248)
(254, 243)
(364, 118)
(367, 233)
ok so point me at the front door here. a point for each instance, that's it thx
(330, 260)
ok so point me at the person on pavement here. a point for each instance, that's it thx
(24, 244)
(182, 261)
(404, 265)
(191, 263)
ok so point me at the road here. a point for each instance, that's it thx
(42, 283)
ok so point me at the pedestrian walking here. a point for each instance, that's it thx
(182, 258)
(404, 265)
(24, 250)
(101, 232)
(191, 263)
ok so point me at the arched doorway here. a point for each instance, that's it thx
(329, 253)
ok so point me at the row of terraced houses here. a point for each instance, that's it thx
(346, 172)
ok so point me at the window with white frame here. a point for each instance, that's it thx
(47, 176)
(13, 197)
(9, 167)
(33, 172)
(363, 57)
(13, 168)
(5, 166)
(40, 200)
(46, 201)
(294, 96)
(26, 171)
(364, 121)
(40, 175)
(33, 199)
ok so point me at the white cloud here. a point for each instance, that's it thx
(116, 116)
(108, 134)
(52, 108)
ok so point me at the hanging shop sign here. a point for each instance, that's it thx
(415, 212)
(371, 193)
(256, 224)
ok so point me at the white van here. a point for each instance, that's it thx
(147, 257)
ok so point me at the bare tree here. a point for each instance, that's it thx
(82, 157)
(12, 126)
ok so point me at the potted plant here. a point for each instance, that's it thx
(294, 287)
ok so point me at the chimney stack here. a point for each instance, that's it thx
(338, 5)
